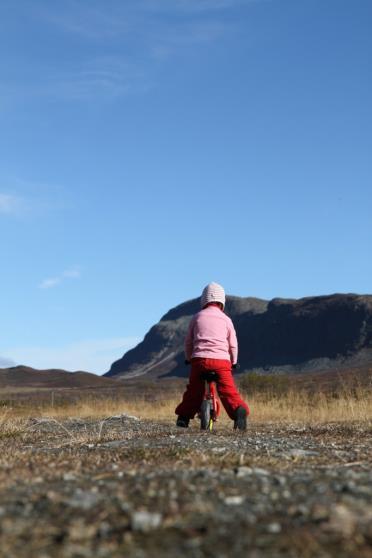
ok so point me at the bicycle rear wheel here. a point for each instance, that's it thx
(205, 415)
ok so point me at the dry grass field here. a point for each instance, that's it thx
(311, 398)
(291, 408)
(109, 474)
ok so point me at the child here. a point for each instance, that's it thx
(211, 344)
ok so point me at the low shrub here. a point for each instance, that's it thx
(270, 384)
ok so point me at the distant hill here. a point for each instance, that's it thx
(23, 376)
(281, 335)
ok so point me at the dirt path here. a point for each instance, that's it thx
(132, 488)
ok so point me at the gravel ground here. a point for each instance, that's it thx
(133, 488)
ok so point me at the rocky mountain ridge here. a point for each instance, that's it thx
(281, 335)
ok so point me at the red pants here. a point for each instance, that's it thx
(227, 391)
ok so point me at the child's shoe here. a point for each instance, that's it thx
(183, 422)
(240, 419)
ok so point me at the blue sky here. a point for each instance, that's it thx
(148, 147)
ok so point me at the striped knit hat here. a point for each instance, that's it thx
(213, 293)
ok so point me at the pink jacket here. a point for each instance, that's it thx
(211, 334)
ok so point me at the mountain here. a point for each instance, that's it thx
(281, 335)
(23, 376)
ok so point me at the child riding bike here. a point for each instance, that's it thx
(211, 344)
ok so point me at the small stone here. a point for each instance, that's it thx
(298, 452)
(104, 529)
(234, 500)
(243, 471)
(260, 472)
(113, 444)
(145, 521)
(124, 416)
(319, 513)
(84, 500)
(69, 477)
(274, 528)
(342, 520)
(79, 531)
(280, 480)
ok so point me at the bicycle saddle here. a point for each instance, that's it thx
(209, 376)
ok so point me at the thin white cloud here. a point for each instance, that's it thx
(135, 38)
(94, 355)
(50, 282)
(105, 77)
(147, 29)
(74, 273)
(144, 23)
(10, 204)
(88, 20)
(102, 77)
(29, 198)
(95, 21)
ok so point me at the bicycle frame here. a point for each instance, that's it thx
(211, 395)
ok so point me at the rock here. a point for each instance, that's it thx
(319, 513)
(145, 521)
(84, 499)
(79, 530)
(113, 444)
(243, 471)
(342, 520)
(274, 528)
(122, 416)
(299, 452)
(69, 477)
(234, 500)
(260, 472)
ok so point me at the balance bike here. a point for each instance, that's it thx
(211, 406)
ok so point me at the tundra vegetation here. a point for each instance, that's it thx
(100, 472)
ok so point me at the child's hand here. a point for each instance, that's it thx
(236, 366)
